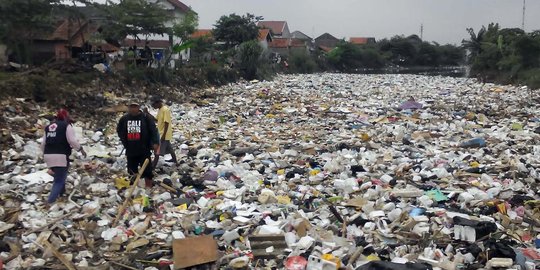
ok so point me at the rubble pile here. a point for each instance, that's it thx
(323, 171)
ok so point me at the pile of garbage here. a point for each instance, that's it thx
(326, 171)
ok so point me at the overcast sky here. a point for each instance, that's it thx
(444, 21)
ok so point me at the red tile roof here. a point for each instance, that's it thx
(325, 49)
(286, 43)
(277, 27)
(358, 40)
(202, 33)
(279, 43)
(263, 34)
(61, 32)
(108, 47)
(179, 5)
(154, 44)
(296, 42)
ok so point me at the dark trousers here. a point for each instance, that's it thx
(59, 183)
(135, 162)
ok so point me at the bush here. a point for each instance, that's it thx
(348, 57)
(192, 76)
(249, 58)
(530, 77)
(133, 74)
(218, 76)
(302, 63)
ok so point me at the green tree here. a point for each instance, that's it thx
(474, 44)
(187, 26)
(235, 29)
(201, 47)
(135, 18)
(528, 49)
(23, 21)
(301, 62)
(183, 30)
(345, 57)
(428, 55)
(250, 58)
(371, 58)
(400, 50)
(507, 55)
(450, 55)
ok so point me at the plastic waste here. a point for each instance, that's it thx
(296, 263)
(474, 143)
(380, 265)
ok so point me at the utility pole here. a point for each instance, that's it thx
(422, 32)
(523, 17)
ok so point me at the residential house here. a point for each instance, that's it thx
(287, 46)
(265, 38)
(362, 40)
(70, 39)
(326, 42)
(278, 29)
(179, 11)
(307, 39)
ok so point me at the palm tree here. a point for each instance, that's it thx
(474, 45)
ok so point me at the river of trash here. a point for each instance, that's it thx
(324, 171)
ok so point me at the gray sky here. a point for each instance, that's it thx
(444, 21)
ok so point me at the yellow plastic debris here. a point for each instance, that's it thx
(517, 126)
(121, 182)
(109, 95)
(281, 172)
(277, 107)
(373, 257)
(283, 199)
(143, 200)
(474, 164)
(331, 258)
(223, 217)
(364, 137)
(314, 172)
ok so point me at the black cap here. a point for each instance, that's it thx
(156, 100)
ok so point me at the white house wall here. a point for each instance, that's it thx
(178, 17)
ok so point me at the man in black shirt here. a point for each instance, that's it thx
(140, 136)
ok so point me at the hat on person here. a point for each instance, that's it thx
(62, 115)
(156, 100)
(134, 103)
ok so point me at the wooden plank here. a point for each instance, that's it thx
(124, 266)
(193, 251)
(262, 254)
(265, 244)
(277, 237)
(259, 244)
(69, 265)
(129, 193)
